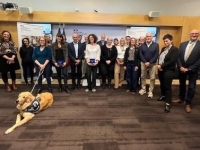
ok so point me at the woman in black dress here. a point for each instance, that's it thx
(26, 52)
(60, 58)
(8, 60)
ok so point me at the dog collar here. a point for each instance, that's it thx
(33, 107)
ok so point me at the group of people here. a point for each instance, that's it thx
(127, 59)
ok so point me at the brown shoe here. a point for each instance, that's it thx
(188, 108)
(177, 101)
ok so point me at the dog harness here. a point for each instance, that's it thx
(34, 107)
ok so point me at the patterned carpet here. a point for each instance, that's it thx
(105, 120)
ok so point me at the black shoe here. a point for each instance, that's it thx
(162, 98)
(73, 86)
(60, 88)
(167, 108)
(78, 86)
(103, 86)
(109, 86)
(67, 90)
(50, 90)
(39, 91)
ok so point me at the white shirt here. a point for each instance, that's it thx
(163, 54)
(120, 51)
(188, 46)
(76, 49)
(148, 44)
(93, 52)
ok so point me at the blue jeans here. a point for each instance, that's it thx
(47, 73)
(131, 76)
(192, 77)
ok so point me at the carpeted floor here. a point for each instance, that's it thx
(105, 120)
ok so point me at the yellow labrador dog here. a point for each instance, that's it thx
(30, 105)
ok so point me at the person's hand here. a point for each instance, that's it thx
(89, 64)
(136, 68)
(77, 62)
(108, 62)
(183, 70)
(56, 64)
(186, 70)
(147, 64)
(42, 67)
(124, 67)
(159, 67)
(64, 64)
(94, 64)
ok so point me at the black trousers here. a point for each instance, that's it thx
(62, 71)
(166, 78)
(107, 71)
(192, 77)
(28, 66)
(5, 76)
(76, 75)
(91, 73)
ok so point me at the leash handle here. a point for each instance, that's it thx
(40, 73)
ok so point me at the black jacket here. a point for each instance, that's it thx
(170, 59)
(72, 53)
(108, 54)
(100, 43)
(136, 57)
(193, 62)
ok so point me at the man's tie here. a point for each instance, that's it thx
(188, 52)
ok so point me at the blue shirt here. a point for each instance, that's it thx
(41, 56)
(149, 54)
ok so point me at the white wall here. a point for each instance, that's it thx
(167, 7)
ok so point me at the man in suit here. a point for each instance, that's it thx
(102, 41)
(76, 55)
(83, 61)
(188, 64)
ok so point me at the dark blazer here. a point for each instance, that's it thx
(105, 57)
(193, 62)
(84, 48)
(170, 59)
(65, 52)
(100, 43)
(136, 57)
(72, 53)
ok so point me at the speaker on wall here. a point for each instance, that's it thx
(25, 10)
(153, 14)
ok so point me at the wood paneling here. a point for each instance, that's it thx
(93, 18)
(189, 23)
(174, 31)
(12, 28)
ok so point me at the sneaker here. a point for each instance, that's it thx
(87, 90)
(94, 90)
(44, 80)
(142, 92)
(51, 79)
(150, 95)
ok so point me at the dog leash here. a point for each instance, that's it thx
(40, 73)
